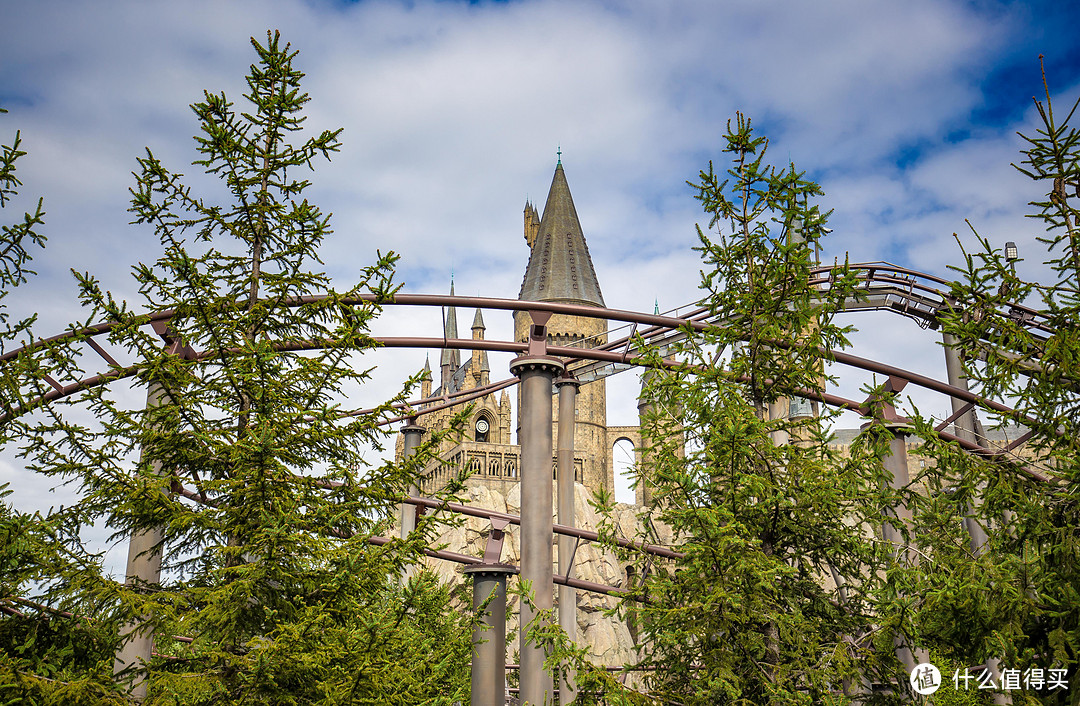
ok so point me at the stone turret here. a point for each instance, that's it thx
(425, 381)
(560, 269)
(481, 370)
(532, 223)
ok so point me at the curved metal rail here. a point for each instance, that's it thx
(886, 287)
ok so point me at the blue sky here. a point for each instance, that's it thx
(905, 112)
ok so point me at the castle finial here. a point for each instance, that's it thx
(559, 153)
(656, 306)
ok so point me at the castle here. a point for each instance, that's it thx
(559, 269)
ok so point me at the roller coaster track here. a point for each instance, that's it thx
(883, 287)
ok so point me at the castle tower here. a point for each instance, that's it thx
(561, 270)
(425, 383)
(451, 357)
(481, 369)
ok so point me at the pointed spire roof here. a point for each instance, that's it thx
(450, 356)
(560, 268)
(478, 321)
(427, 367)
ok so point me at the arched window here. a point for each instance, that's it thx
(623, 461)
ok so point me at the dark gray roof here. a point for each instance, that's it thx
(560, 268)
(450, 356)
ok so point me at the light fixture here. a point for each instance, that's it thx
(1011, 254)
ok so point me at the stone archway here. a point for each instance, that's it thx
(624, 459)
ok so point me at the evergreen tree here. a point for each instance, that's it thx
(243, 464)
(1017, 597)
(14, 255)
(775, 600)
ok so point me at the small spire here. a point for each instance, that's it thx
(450, 356)
(656, 306)
(427, 367)
(478, 321)
(559, 153)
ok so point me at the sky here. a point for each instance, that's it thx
(452, 112)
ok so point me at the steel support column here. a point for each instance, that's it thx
(536, 372)
(411, 433)
(489, 636)
(143, 569)
(964, 428)
(568, 388)
(896, 468)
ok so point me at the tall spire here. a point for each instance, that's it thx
(451, 357)
(451, 315)
(560, 268)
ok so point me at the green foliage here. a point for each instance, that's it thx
(243, 463)
(1019, 598)
(786, 594)
(768, 517)
(14, 240)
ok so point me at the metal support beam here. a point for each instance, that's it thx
(898, 518)
(568, 388)
(411, 434)
(896, 468)
(143, 569)
(964, 427)
(489, 635)
(536, 371)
